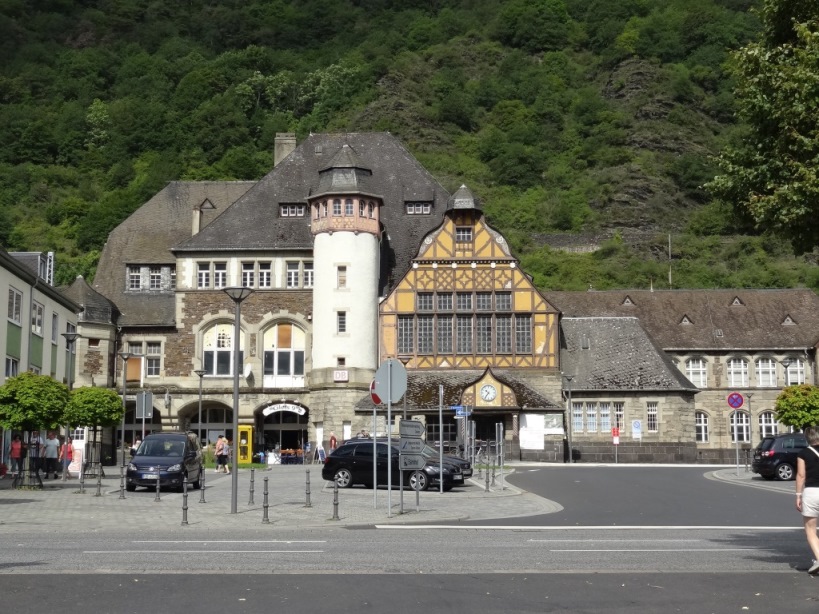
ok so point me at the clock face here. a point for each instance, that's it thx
(488, 392)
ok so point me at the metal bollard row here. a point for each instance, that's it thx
(185, 501)
(307, 492)
(99, 482)
(265, 519)
(252, 480)
(156, 499)
(202, 473)
(335, 500)
(122, 482)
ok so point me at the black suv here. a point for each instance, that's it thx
(775, 457)
(167, 457)
(352, 463)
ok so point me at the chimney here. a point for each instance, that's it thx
(285, 143)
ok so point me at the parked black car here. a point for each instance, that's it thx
(775, 457)
(464, 465)
(352, 463)
(167, 457)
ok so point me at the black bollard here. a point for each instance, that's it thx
(82, 479)
(185, 501)
(158, 475)
(99, 483)
(307, 492)
(335, 500)
(493, 472)
(252, 478)
(122, 482)
(265, 519)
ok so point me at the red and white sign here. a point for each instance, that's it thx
(616, 441)
(615, 432)
(376, 399)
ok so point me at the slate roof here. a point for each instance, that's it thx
(616, 354)
(253, 222)
(32, 278)
(147, 237)
(95, 307)
(708, 320)
(422, 390)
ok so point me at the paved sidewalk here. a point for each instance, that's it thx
(60, 506)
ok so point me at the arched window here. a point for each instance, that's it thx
(767, 424)
(217, 350)
(336, 207)
(697, 372)
(348, 208)
(740, 427)
(284, 350)
(701, 423)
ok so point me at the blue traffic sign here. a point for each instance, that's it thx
(456, 407)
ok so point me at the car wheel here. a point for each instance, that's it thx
(418, 480)
(130, 487)
(784, 472)
(344, 478)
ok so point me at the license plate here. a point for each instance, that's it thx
(457, 476)
(150, 476)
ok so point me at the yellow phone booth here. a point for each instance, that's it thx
(245, 443)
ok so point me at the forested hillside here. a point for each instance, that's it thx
(580, 124)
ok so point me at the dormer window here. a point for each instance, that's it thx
(419, 208)
(463, 234)
(291, 210)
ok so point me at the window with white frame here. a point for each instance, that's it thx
(444, 302)
(619, 414)
(605, 417)
(15, 306)
(291, 210)
(463, 334)
(203, 275)
(483, 301)
(463, 234)
(766, 373)
(701, 427)
(740, 427)
(55, 328)
(135, 348)
(155, 278)
(444, 335)
(134, 278)
(341, 321)
(697, 372)
(483, 330)
(503, 301)
(463, 301)
(795, 372)
(341, 277)
(219, 275)
(153, 358)
(371, 209)
(284, 351)
(652, 417)
(591, 417)
(172, 278)
(217, 350)
(37, 318)
(12, 367)
(336, 208)
(348, 208)
(307, 275)
(424, 301)
(577, 417)
(422, 208)
(426, 335)
(523, 334)
(292, 279)
(767, 424)
(737, 373)
(265, 275)
(249, 274)
(503, 334)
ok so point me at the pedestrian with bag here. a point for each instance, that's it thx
(66, 456)
(221, 453)
(807, 492)
(17, 452)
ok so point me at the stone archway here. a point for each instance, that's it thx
(283, 426)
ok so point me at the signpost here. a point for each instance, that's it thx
(390, 383)
(735, 401)
(409, 453)
(615, 439)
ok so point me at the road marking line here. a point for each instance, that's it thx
(228, 541)
(208, 552)
(671, 550)
(597, 541)
(425, 527)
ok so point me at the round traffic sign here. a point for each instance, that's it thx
(376, 399)
(735, 400)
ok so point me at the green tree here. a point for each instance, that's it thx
(29, 401)
(91, 406)
(771, 175)
(798, 406)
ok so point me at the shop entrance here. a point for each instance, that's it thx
(284, 427)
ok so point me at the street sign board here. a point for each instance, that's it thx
(145, 405)
(390, 380)
(636, 429)
(456, 407)
(462, 412)
(411, 445)
(411, 462)
(411, 428)
(376, 399)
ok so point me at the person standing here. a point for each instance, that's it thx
(807, 492)
(67, 455)
(221, 454)
(35, 453)
(16, 455)
(51, 454)
(333, 441)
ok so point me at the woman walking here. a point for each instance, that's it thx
(807, 492)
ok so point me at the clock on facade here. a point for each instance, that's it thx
(488, 392)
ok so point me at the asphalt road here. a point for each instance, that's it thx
(627, 540)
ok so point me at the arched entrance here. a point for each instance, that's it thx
(217, 419)
(283, 426)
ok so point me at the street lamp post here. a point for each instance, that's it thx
(569, 379)
(124, 356)
(750, 429)
(70, 339)
(237, 294)
(200, 373)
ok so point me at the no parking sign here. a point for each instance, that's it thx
(735, 400)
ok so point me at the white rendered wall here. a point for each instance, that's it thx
(359, 347)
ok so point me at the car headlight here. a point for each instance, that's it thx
(174, 468)
(433, 469)
(131, 467)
